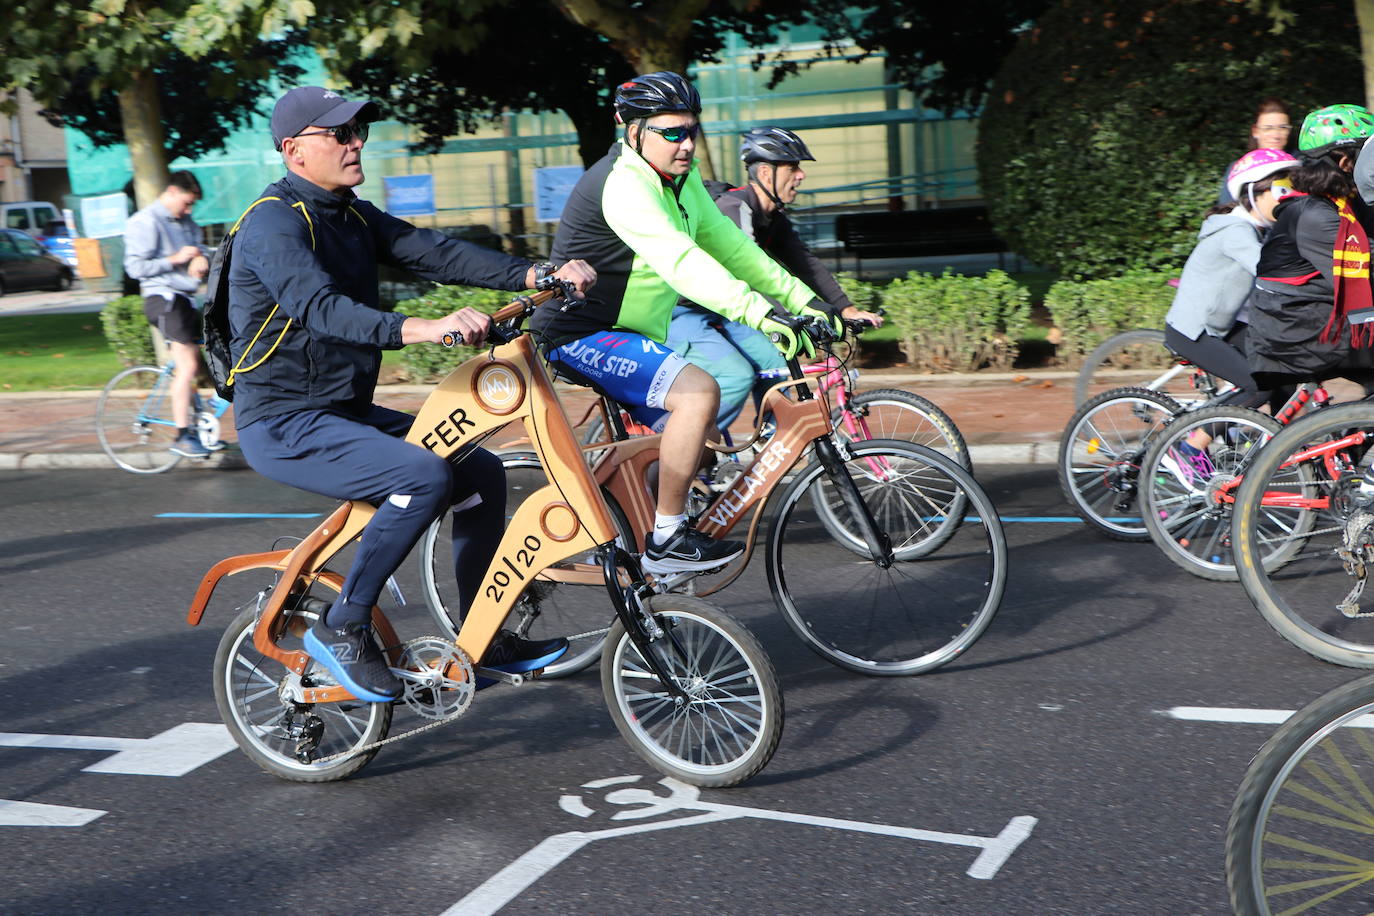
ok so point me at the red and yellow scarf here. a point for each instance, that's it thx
(1350, 265)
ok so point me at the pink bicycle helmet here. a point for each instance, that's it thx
(1257, 164)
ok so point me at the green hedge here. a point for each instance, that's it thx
(953, 323)
(1087, 312)
(1108, 128)
(128, 331)
(431, 362)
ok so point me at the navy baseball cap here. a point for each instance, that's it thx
(306, 105)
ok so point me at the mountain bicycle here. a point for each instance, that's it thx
(1298, 837)
(1133, 359)
(884, 557)
(133, 419)
(879, 413)
(689, 688)
(1187, 494)
(1312, 470)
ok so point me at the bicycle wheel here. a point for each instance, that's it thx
(1136, 359)
(1186, 501)
(251, 689)
(1314, 601)
(890, 413)
(1298, 837)
(1100, 455)
(731, 725)
(133, 421)
(927, 606)
(548, 608)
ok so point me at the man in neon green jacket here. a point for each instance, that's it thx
(643, 219)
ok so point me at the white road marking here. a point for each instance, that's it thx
(30, 814)
(1245, 716)
(175, 752)
(507, 884)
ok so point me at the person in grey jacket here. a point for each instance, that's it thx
(163, 250)
(1207, 322)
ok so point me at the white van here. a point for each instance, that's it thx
(28, 216)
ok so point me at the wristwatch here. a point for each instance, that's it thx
(542, 270)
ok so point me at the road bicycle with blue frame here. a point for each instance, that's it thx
(133, 419)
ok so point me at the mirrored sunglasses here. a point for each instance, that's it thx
(676, 134)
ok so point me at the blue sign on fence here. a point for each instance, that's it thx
(552, 185)
(104, 216)
(409, 195)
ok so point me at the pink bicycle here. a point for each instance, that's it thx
(858, 416)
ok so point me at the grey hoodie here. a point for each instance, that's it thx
(1217, 277)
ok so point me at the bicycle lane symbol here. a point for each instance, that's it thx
(504, 886)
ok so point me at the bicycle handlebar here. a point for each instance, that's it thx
(505, 320)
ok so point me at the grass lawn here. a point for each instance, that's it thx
(66, 352)
(54, 352)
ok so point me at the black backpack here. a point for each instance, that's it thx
(218, 357)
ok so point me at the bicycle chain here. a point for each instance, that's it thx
(391, 740)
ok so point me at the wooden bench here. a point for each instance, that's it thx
(917, 233)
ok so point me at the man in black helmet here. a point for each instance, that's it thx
(733, 353)
(643, 219)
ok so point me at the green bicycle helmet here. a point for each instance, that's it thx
(1334, 127)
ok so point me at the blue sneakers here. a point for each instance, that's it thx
(354, 659)
(188, 445)
(513, 655)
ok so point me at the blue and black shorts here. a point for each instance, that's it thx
(627, 367)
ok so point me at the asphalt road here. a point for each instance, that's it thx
(1059, 714)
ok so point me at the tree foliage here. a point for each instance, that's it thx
(1108, 129)
(570, 70)
(202, 101)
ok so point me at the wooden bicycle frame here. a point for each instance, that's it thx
(623, 466)
(564, 518)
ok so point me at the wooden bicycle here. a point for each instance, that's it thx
(885, 557)
(689, 688)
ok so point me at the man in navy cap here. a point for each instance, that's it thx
(307, 340)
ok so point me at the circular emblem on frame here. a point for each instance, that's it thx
(498, 388)
(559, 521)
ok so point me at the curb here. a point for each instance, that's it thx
(1011, 453)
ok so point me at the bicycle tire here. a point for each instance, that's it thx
(247, 695)
(1180, 501)
(922, 611)
(1299, 823)
(134, 440)
(732, 726)
(1100, 454)
(546, 609)
(1302, 600)
(1141, 348)
(891, 413)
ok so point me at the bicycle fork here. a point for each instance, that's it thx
(878, 543)
(641, 626)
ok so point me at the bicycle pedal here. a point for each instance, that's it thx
(504, 677)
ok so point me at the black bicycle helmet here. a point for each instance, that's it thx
(772, 144)
(655, 93)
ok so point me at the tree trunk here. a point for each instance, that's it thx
(145, 136)
(1364, 15)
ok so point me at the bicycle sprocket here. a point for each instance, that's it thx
(438, 678)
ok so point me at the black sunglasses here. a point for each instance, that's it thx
(676, 134)
(344, 133)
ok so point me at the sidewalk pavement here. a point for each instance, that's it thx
(1006, 418)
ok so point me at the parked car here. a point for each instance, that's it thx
(25, 264)
(27, 215)
(57, 238)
